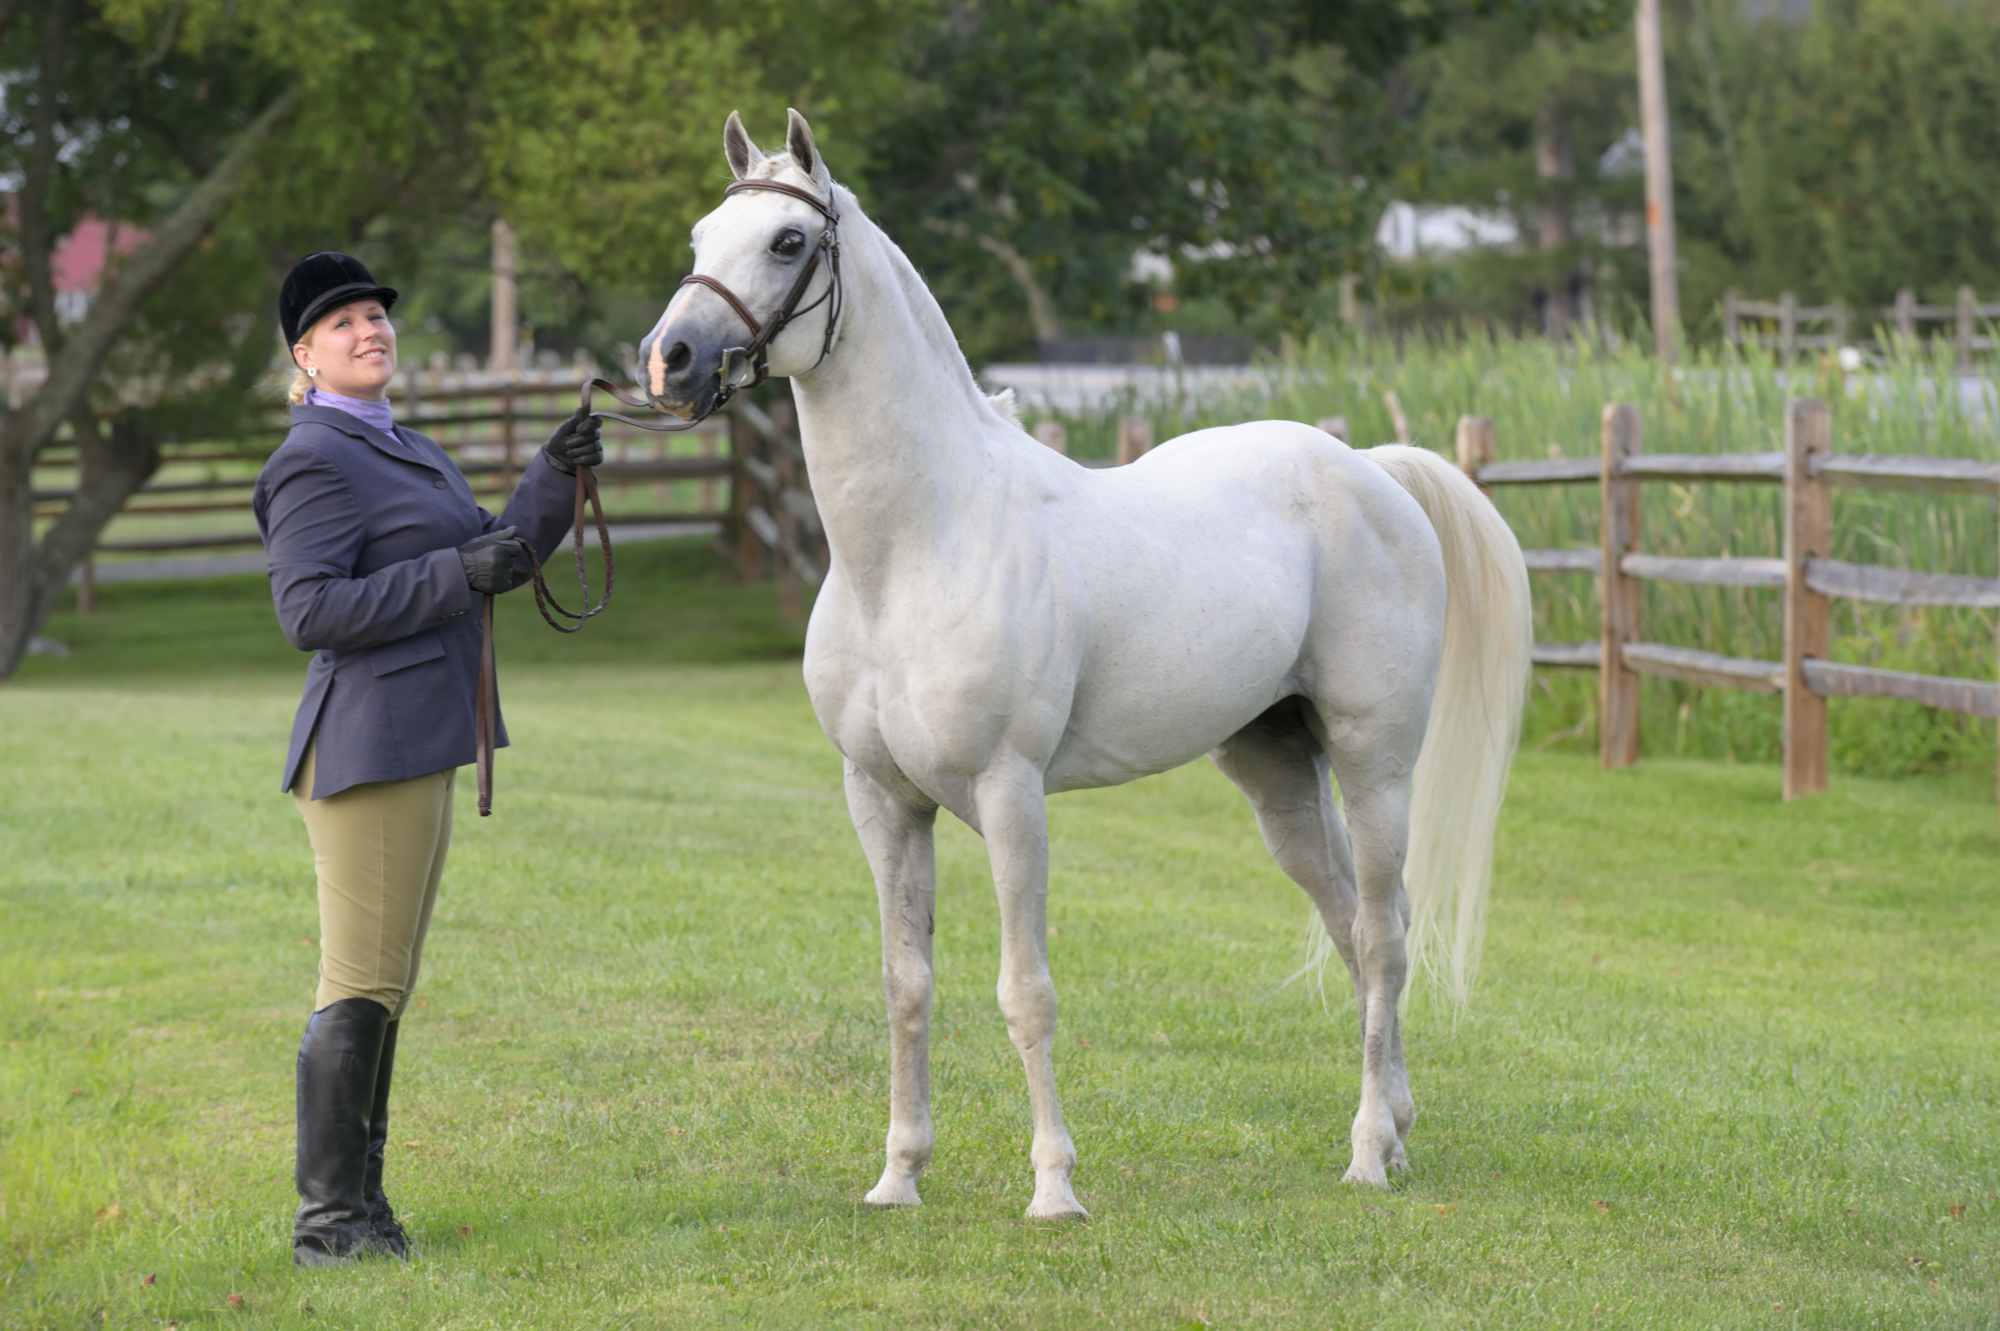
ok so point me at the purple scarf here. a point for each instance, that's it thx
(369, 411)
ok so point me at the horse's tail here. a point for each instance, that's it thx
(1475, 716)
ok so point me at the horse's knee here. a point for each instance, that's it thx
(1029, 1005)
(907, 991)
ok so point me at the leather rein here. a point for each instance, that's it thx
(752, 358)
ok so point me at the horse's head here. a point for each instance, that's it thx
(764, 294)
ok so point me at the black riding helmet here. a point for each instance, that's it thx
(321, 281)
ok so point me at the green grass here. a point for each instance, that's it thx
(1731, 1063)
(1545, 399)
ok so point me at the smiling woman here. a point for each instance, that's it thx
(377, 550)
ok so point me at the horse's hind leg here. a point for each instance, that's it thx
(897, 838)
(1278, 763)
(1374, 763)
(1280, 767)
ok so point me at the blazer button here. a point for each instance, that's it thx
(437, 482)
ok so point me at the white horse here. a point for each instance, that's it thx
(1000, 623)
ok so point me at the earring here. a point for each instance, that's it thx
(313, 373)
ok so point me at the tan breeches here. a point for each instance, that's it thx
(379, 852)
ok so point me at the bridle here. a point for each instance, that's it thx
(752, 358)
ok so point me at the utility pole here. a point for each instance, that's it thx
(500, 352)
(1659, 183)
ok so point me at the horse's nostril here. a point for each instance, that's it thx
(678, 358)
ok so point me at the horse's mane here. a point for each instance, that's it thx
(935, 328)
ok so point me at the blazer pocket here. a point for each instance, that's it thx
(406, 652)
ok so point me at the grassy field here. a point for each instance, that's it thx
(1732, 1063)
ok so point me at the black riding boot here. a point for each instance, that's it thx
(385, 1229)
(338, 1059)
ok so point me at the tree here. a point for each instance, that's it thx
(1844, 156)
(1514, 114)
(238, 137)
(1043, 145)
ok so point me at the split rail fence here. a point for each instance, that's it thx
(742, 475)
(1788, 328)
(1807, 469)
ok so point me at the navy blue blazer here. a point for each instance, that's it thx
(362, 531)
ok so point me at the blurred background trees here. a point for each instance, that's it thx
(1057, 171)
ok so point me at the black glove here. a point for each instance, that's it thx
(575, 444)
(497, 562)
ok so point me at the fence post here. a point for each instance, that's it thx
(1788, 328)
(1729, 330)
(1618, 595)
(736, 534)
(1475, 444)
(1135, 438)
(1906, 313)
(1968, 313)
(1053, 435)
(1335, 426)
(1808, 536)
(86, 586)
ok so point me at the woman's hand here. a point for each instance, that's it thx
(575, 444)
(497, 562)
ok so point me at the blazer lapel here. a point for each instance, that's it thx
(391, 444)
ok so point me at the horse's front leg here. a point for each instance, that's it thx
(1013, 816)
(896, 835)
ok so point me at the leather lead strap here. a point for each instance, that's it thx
(486, 708)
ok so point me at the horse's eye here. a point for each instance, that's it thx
(789, 242)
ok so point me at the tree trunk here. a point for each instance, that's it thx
(1554, 165)
(111, 471)
(20, 610)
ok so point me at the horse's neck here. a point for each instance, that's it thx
(897, 434)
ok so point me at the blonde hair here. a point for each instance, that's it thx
(301, 382)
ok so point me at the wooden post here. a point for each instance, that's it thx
(1397, 420)
(1968, 312)
(1475, 444)
(86, 586)
(1135, 438)
(1618, 595)
(738, 539)
(1808, 536)
(1729, 330)
(1053, 435)
(501, 316)
(1788, 328)
(1659, 182)
(705, 446)
(1906, 314)
(1335, 426)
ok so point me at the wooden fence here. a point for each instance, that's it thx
(1789, 328)
(745, 468)
(1803, 570)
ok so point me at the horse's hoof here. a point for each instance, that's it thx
(1060, 1206)
(1399, 1159)
(1363, 1172)
(894, 1192)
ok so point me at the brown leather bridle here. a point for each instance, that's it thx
(753, 356)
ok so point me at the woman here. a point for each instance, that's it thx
(377, 552)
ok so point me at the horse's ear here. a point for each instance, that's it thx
(799, 139)
(736, 146)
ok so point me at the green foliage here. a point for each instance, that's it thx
(1844, 158)
(1043, 145)
(1711, 1067)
